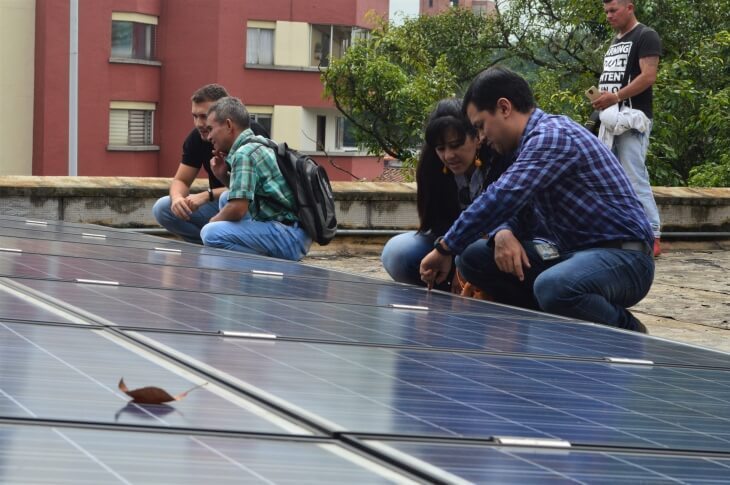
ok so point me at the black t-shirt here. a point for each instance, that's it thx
(197, 152)
(621, 64)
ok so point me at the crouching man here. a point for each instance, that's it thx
(586, 252)
(257, 215)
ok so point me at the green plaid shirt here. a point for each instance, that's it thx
(255, 176)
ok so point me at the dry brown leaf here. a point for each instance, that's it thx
(152, 395)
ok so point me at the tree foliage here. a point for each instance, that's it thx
(387, 84)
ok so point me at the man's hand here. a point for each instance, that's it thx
(180, 206)
(219, 167)
(435, 268)
(233, 211)
(605, 100)
(509, 254)
(197, 200)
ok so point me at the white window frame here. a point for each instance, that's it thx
(142, 19)
(253, 44)
(340, 135)
(257, 118)
(131, 125)
(356, 33)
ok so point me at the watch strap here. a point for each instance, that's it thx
(438, 247)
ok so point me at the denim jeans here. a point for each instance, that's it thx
(402, 255)
(630, 148)
(267, 238)
(597, 285)
(188, 230)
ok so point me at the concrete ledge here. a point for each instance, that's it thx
(127, 202)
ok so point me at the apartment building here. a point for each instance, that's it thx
(435, 6)
(140, 60)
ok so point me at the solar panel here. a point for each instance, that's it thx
(163, 253)
(252, 282)
(42, 454)
(478, 463)
(70, 374)
(323, 376)
(428, 393)
(495, 330)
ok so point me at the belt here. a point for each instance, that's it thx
(640, 246)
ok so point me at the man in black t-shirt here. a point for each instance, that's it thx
(629, 72)
(181, 212)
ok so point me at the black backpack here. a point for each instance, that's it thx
(312, 191)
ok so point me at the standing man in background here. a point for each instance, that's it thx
(629, 72)
(182, 213)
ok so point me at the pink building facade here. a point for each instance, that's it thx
(140, 60)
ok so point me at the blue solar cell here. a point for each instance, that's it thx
(496, 329)
(14, 306)
(510, 465)
(68, 373)
(39, 454)
(429, 393)
(192, 256)
(367, 292)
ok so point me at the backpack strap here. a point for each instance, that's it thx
(279, 153)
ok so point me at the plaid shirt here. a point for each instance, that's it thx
(575, 190)
(255, 176)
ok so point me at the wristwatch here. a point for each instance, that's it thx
(438, 247)
(210, 194)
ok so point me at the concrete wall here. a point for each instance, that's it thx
(291, 44)
(127, 202)
(17, 49)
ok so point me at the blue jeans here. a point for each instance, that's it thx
(402, 255)
(267, 238)
(630, 148)
(597, 285)
(188, 230)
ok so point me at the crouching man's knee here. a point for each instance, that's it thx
(554, 293)
(209, 235)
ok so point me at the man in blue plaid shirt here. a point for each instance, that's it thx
(582, 247)
(257, 214)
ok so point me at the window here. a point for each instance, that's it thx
(344, 135)
(480, 9)
(131, 124)
(331, 42)
(263, 119)
(133, 36)
(259, 46)
(321, 132)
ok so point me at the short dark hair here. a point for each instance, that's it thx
(499, 82)
(621, 1)
(230, 108)
(447, 118)
(209, 92)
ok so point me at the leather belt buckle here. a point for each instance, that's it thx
(636, 246)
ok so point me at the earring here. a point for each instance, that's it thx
(445, 170)
(477, 162)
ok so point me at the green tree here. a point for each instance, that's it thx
(387, 84)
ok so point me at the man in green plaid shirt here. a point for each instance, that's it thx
(257, 214)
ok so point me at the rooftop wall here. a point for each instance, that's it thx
(127, 202)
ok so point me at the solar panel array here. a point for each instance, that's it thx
(320, 376)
